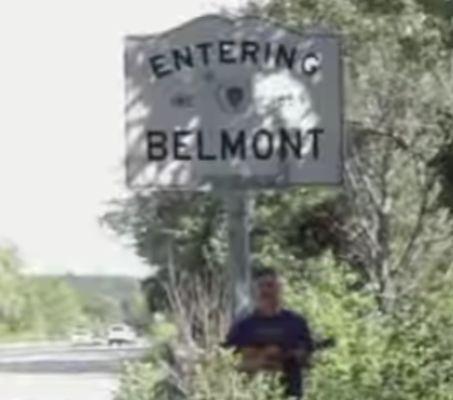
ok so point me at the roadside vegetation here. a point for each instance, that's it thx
(51, 308)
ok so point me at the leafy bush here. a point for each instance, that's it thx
(325, 294)
(34, 308)
(213, 377)
(217, 378)
(405, 355)
(139, 382)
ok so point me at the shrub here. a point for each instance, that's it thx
(213, 377)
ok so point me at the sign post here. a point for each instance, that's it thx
(232, 106)
(238, 204)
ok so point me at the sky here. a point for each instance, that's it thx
(61, 125)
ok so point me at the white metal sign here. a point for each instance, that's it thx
(238, 103)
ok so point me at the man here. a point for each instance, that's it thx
(272, 338)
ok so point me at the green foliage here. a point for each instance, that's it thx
(180, 229)
(167, 223)
(213, 377)
(13, 299)
(139, 382)
(327, 295)
(304, 222)
(420, 349)
(136, 313)
(216, 378)
(37, 307)
(100, 310)
(110, 299)
(405, 355)
(57, 309)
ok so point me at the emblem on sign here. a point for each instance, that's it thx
(234, 97)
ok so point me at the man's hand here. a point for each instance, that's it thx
(269, 358)
(272, 358)
(300, 355)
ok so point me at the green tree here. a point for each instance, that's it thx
(33, 307)
(57, 307)
(100, 311)
(13, 308)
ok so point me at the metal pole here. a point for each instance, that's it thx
(238, 204)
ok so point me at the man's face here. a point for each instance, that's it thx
(268, 290)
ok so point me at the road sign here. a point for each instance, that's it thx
(235, 103)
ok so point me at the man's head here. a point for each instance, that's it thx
(267, 289)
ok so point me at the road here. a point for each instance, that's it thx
(63, 372)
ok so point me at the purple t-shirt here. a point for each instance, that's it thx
(286, 329)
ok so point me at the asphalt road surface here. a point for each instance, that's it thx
(63, 372)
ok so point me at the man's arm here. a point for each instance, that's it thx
(302, 351)
(238, 338)
(235, 335)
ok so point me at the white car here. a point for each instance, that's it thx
(121, 334)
